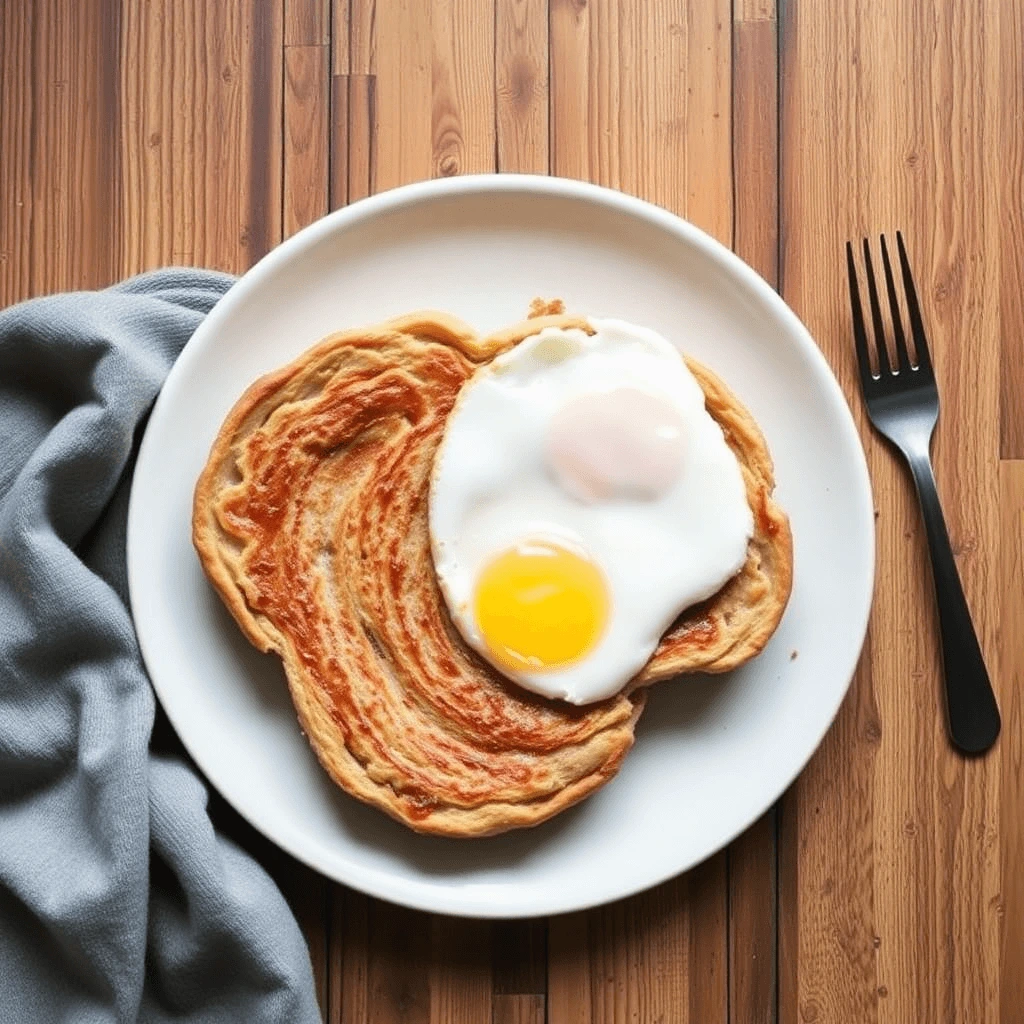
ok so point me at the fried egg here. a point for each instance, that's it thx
(581, 498)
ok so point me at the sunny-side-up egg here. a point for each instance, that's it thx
(582, 497)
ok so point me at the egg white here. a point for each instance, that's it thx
(492, 488)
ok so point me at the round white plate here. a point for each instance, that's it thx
(711, 754)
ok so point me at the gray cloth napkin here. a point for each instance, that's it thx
(118, 902)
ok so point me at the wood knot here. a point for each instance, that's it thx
(520, 82)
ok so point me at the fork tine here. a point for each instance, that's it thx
(902, 356)
(860, 338)
(916, 323)
(884, 369)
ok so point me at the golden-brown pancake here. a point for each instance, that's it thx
(310, 519)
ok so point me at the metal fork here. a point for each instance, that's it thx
(903, 404)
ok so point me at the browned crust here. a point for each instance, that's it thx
(310, 521)
(732, 627)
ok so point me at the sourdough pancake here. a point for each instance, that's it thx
(311, 520)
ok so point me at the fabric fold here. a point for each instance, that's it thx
(118, 902)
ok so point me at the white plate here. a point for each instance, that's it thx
(711, 754)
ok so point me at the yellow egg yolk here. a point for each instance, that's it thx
(540, 606)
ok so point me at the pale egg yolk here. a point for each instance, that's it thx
(623, 443)
(540, 606)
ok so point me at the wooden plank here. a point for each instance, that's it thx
(341, 36)
(519, 1009)
(462, 87)
(306, 135)
(707, 904)
(361, 156)
(752, 875)
(629, 961)
(338, 143)
(709, 182)
(1011, 751)
(17, 72)
(1011, 228)
(570, 950)
(395, 966)
(662, 96)
(70, 164)
(307, 22)
(889, 895)
(755, 144)
(570, 111)
(399, 966)
(348, 977)
(521, 98)
(520, 957)
(752, 11)
(520, 970)
(201, 154)
(752, 924)
(461, 983)
(394, 43)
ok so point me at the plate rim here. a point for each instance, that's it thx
(424, 895)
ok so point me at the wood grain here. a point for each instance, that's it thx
(889, 892)
(1010, 96)
(60, 128)
(392, 41)
(752, 920)
(179, 131)
(628, 961)
(462, 87)
(306, 136)
(17, 71)
(201, 151)
(1010, 689)
(348, 978)
(521, 91)
(519, 958)
(353, 138)
(461, 980)
(519, 1009)
(308, 23)
(399, 960)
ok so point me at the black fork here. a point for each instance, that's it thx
(903, 405)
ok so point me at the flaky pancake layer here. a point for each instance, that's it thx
(733, 626)
(310, 519)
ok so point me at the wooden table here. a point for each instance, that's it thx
(888, 884)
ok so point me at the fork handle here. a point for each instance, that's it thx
(971, 705)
